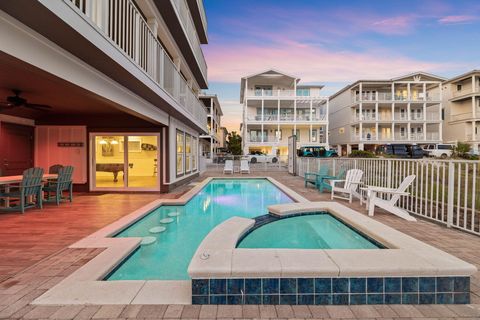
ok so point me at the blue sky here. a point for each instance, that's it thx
(335, 43)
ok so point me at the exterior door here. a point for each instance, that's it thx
(16, 148)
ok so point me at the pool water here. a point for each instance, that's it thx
(172, 234)
(313, 231)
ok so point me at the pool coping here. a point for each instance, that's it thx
(405, 256)
(85, 286)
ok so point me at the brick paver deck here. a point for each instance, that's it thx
(34, 257)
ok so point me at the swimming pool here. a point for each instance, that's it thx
(176, 231)
(311, 231)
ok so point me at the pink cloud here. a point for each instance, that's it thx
(311, 63)
(460, 19)
(394, 25)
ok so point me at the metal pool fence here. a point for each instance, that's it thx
(446, 191)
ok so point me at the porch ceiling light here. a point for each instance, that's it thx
(103, 141)
(114, 141)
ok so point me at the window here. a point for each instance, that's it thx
(180, 152)
(188, 153)
(459, 87)
(263, 91)
(278, 134)
(314, 135)
(194, 154)
(303, 92)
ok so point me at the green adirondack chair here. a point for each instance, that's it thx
(62, 183)
(324, 182)
(314, 177)
(30, 187)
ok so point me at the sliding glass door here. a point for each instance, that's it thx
(124, 162)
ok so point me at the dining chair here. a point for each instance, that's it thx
(28, 189)
(63, 183)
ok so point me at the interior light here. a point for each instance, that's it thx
(114, 141)
(103, 141)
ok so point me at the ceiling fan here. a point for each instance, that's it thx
(16, 101)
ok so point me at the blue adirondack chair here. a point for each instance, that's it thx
(30, 187)
(324, 182)
(314, 177)
(62, 183)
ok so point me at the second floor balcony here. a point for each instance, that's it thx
(271, 118)
(123, 25)
(389, 97)
(287, 93)
(397, 116)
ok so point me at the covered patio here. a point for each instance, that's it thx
(37, 257)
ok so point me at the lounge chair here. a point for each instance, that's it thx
(350, 185)
(314, 177)
(62, 183)
(324, 181)
(228, 167)
(31, 186)
(390, 205)
(244, 167)
(54, 169)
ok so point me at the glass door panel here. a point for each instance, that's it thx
(142, 161)
(109, 170)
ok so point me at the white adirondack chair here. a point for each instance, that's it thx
(244, 167)
(389, 205)
(228, 167)
(350, 185)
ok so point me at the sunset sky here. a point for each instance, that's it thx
(336, 42)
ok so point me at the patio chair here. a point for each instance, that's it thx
(31, 186)
(390, 205)
(244, 167)
(54, 169)
(63, 183)
(350, 185)
(314, 177)
(324, 181)
(228, 167)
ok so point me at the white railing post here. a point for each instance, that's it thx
(389, 173)
(450, 198)
(308, 165)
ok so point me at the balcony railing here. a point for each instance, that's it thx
(276, 118)
(191, 32)
(459, 93)
(279, 93)
(473, 137)
(463, 116)
(121, 22)
(387, 96)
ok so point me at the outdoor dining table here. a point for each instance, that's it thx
(8, 180)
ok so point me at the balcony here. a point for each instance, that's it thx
(286, 118)
(131, 34)
(387, 96)
(472, 137)
(466, 91)
(183, 12)
(262, 93)
(464, 116)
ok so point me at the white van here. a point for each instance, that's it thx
(439, 150)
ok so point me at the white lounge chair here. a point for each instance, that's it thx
(350, 185)
(228, 167)
(244, 167)
(389, 205)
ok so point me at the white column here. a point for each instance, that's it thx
(278, 116)
(393, 131)
(408, 92)
(424, 131)
(361, 146)
(349, 149)
(474, 111)
(327, 133)
(425, 91)
(376, 131)
(393, 91)
(360, 112)
(376, 111)
(311, 104)
(261, 132)
(424, 111)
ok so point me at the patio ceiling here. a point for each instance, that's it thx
(40, 87)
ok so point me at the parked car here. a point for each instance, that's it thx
(316, 152)
(401, 150)
(261, 157)
(438, 150)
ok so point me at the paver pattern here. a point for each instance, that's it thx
(34, 256)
